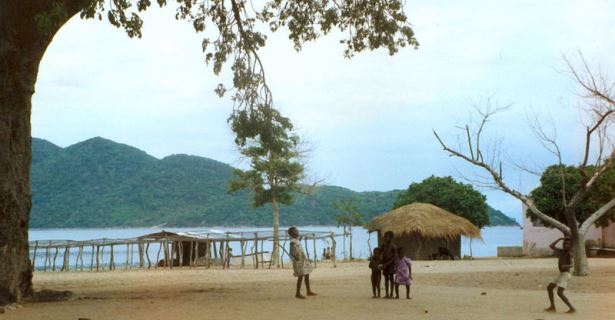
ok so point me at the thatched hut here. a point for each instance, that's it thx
(422, 229)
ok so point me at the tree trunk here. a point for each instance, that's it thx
(344, 244)
(350, 231)
(276, 234)
(581, 267)
(22, 46)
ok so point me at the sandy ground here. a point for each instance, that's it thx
(514, 289)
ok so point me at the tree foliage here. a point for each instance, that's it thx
(268, 141)
(549, 196)
(235, 30)
(446, 193)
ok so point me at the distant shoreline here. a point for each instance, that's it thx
(214, 227)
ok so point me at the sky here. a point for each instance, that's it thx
(368, 120)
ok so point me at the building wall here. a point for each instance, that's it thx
(608, 236)
(536, 239)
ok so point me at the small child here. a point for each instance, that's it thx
(375, 263)
(403, 273)
(302, 267)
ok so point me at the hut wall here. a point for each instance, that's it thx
(420, 248)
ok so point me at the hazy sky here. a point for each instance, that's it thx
(368, 119)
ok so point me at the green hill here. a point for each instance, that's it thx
(498, 218)
(101, 183)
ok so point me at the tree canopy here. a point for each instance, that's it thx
(549, 196)
(446, 193)
(235, 30)
(267, 139)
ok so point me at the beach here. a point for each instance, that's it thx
(476, 289)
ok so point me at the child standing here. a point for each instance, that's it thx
(403, 273)
(389, 260)
(302, 267)
(375, 263)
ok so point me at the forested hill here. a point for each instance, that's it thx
(101, 183)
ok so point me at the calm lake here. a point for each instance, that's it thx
(493, 237)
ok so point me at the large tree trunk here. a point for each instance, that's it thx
(276, 234)
(581, 267)
(22, 45)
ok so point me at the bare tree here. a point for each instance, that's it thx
(597, 157)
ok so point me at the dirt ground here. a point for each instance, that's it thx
(478, 289)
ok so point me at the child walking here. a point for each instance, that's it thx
(375, 263)
(302, 267)
(403, 273)
(564, 265)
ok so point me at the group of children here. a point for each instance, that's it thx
(389, 260)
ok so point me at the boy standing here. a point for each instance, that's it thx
(389, 262)
(564, 264)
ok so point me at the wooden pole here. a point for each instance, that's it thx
(208, 253)
(127, 256)
(228, 251)
(81, 256)
(263, 253)
(256, 250)
(92, 259)
(223, 254)
(191, 254)
(158, 256)
(34, 255)
(333, 253)
(54, 259)
(64, 260)
(112, 260)
(97, 257)
(149, 262)
(282, 253)
(307, 252)
(102, 256)
(141, 262)
(46, 258)
(242, 243)
(78, 256)
(196, 252)
(315, 253)
(166, 252)
(181, 253)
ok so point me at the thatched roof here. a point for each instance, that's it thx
(424, 219)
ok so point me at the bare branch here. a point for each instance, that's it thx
(496, 174)
(596, 215)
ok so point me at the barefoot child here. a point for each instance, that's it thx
(564, 264)
(389, 261)
(403, 273)
(301, 265)
(375, 263)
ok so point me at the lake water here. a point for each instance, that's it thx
(493, 237)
